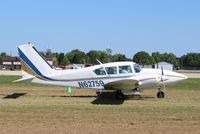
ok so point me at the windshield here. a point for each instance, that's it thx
(137, 68)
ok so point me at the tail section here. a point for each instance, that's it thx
(33, 62)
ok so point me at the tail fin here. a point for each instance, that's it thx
(33, 62)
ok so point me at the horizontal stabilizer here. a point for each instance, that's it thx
(25, 76)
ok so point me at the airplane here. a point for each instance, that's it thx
(119, 77)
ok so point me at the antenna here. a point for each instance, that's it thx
(76, 66)
(99, 62)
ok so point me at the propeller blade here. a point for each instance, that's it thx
(162, 70)
(162, 73)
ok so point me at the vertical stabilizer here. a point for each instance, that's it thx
(33, 62)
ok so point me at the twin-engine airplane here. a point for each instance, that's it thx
(119, 77)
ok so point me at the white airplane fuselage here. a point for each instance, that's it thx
(110, 76)
(86, 78)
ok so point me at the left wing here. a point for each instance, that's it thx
(124, 84)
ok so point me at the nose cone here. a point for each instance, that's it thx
(174, 77)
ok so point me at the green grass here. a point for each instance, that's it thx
(189, 84)
(8, 81)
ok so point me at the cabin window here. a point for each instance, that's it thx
(125, 69)
(100, 71)
(137, 68)
(111, 70)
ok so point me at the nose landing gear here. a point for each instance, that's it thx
(160, 94)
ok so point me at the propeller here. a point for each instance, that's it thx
(163, 77)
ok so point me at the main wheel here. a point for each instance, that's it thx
(119, 95)
(98, 94)
(160, 94)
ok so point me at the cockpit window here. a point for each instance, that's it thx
(125, 69)
(100, 71)
(111, 70)
(137, 68)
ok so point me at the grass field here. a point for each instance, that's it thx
(32, 108)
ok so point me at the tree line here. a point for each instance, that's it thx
(79, 57)
(188, 61)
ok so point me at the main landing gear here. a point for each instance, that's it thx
(119, 95)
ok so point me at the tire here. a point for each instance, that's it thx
(119, 95)
(160, 94)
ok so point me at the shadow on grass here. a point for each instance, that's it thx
(99, 100)
(14, 96)
(111, 100)
(107, 98)
(107, 101)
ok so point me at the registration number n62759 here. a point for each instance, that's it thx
(85, 84)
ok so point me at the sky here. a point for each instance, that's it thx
(125, 26)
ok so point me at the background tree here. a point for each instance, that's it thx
(157, 56)
(66, 60)
(3, 55)
(108, 52)
(92, 56)
(119, 57)
(167, 57)
(61, 59)
(55, 58)
(49, 54)
(76, 56)
(143, 58)
(100, 55)
(170, 58)
(105, 57)
(191, 60)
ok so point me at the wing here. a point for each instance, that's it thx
(122, 84)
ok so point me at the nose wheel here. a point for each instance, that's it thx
(160, 94)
